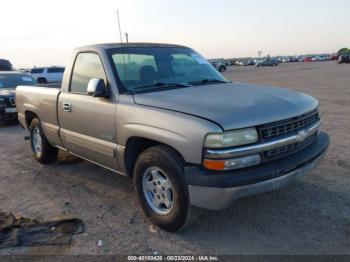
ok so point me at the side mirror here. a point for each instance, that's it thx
(97, 88)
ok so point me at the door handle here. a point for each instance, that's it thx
(67, 107)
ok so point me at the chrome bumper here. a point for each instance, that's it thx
(219, 198)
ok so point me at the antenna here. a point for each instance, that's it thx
(121, 43)
(120, 31)
(127, 37)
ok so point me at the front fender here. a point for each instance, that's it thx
(183, 132)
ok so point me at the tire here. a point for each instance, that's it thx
(42, 80)
(152, 166)
(42, 150)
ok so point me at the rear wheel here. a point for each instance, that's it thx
(161, 189)
(42, 80)
(42, 150)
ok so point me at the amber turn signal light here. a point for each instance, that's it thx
(214, 164)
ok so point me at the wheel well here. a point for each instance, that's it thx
(42, 80)
(135, 146)
(29, 117)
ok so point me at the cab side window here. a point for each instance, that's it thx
(86, 67)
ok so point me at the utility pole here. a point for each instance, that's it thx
(259, 53)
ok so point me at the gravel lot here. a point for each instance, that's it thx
(310, 217)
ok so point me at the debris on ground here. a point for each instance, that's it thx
(132, 220)
(99, 243)
(152, 229)
(21, 231)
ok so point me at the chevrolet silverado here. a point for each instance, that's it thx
(162, 115)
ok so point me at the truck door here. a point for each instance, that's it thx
(88, 124)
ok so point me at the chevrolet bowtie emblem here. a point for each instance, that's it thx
(302, 135)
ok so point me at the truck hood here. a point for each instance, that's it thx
(7, 92)
(232, 105)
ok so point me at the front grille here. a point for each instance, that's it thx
(284, 128)
(288, 149)
(287, 126)
(12, 101)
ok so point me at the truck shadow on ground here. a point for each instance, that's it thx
(304, 216)
(291, 219)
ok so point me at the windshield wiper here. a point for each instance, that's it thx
(161, 84)
(207, 81)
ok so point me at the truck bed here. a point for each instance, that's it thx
(51, 85)
(41, 102)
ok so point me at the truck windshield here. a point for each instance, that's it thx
(9, 81)
(143, 69)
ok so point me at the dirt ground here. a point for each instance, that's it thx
(311, 216)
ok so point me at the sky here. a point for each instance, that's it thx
(43, 32)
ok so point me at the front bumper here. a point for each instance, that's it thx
(4, 117)
(217, 190)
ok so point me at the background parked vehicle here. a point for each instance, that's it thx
(267, 62)
(301, 58)
(5, 65)
(47, 74)
(8, 83)
(220, 66)
(230, 62)
(249, 62)
(333, 57)
(342, 59)
(293, 59)
(322, 58)
(308, 59)
(24, 70)
(245, 62)
(285, 60)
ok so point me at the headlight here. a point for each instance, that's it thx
(231, 138)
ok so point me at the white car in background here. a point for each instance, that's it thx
(47, 74)
(322, 58)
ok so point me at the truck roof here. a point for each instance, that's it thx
(119, 45)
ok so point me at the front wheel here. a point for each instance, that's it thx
(42, 150)
(160, 185)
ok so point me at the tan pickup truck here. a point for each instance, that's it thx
(164, 116)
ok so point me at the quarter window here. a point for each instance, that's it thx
(87, 66)
(55, 70)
